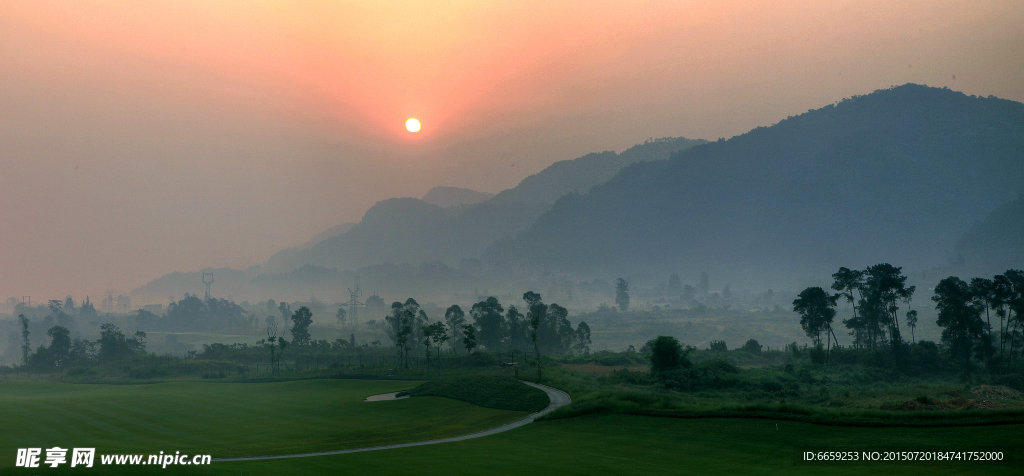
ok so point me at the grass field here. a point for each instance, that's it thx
(624, 445)
(227, 419)
(231, 419)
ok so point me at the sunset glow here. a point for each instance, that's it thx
(247, 102)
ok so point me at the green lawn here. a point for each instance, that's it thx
(625, 444)
(590, 445)
(227, 419)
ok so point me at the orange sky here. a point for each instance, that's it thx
(140, 138)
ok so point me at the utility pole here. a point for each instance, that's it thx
(208, 280)
(354, 303)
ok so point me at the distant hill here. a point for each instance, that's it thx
(446, 197)
(894, 176)
(409, 230)
(578, 175)
(392, 282)
(288, 255)
(996, 243)
(328, 233)
(226, 282)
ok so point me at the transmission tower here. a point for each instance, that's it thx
(354, 303)
(108, 303)
(208, 280)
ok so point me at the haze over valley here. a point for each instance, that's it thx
(534, 237)
(899, 175)
(714, 163)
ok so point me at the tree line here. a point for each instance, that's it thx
(65, 352)
(965, 313)
(544, 329)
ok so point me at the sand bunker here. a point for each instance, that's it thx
(384, 397)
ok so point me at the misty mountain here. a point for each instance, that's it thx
(578, 175)
(294, 253)
(446, 197)
(327, 284)
(173, 286)
(996, 243)
(392, 282)
(410, 230)
(894, 176)
(328, 233)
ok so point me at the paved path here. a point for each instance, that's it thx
(558, 399)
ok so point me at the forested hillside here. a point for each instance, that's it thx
(894, 176)
(995, 243)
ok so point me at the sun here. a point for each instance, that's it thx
(413, 125)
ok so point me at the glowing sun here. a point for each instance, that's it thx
(413, 125)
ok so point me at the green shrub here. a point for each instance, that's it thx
(607, 357)
(633, 378)
(80, 371)
(718, 366)
(817, 354)
(1014, 381)
(148, 372)
(708, 375)
(805, 376)
(667, 355)
(484, 359)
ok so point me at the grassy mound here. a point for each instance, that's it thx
(490, 391)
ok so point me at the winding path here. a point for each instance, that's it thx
(557, 397)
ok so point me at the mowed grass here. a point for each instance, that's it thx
(625, 444)
(638, 445)
(227, 419)
(492, 391)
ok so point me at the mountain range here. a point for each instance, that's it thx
(894, 176)
(447, 197)
(898, 175)
(411, 230)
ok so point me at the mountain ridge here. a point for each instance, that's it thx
(447, 197)
(411, 230)
(905, 169)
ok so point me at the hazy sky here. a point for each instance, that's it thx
(141, 138)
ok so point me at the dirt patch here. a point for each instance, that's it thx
(994, 392)
(602, 370)
(953, 404)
